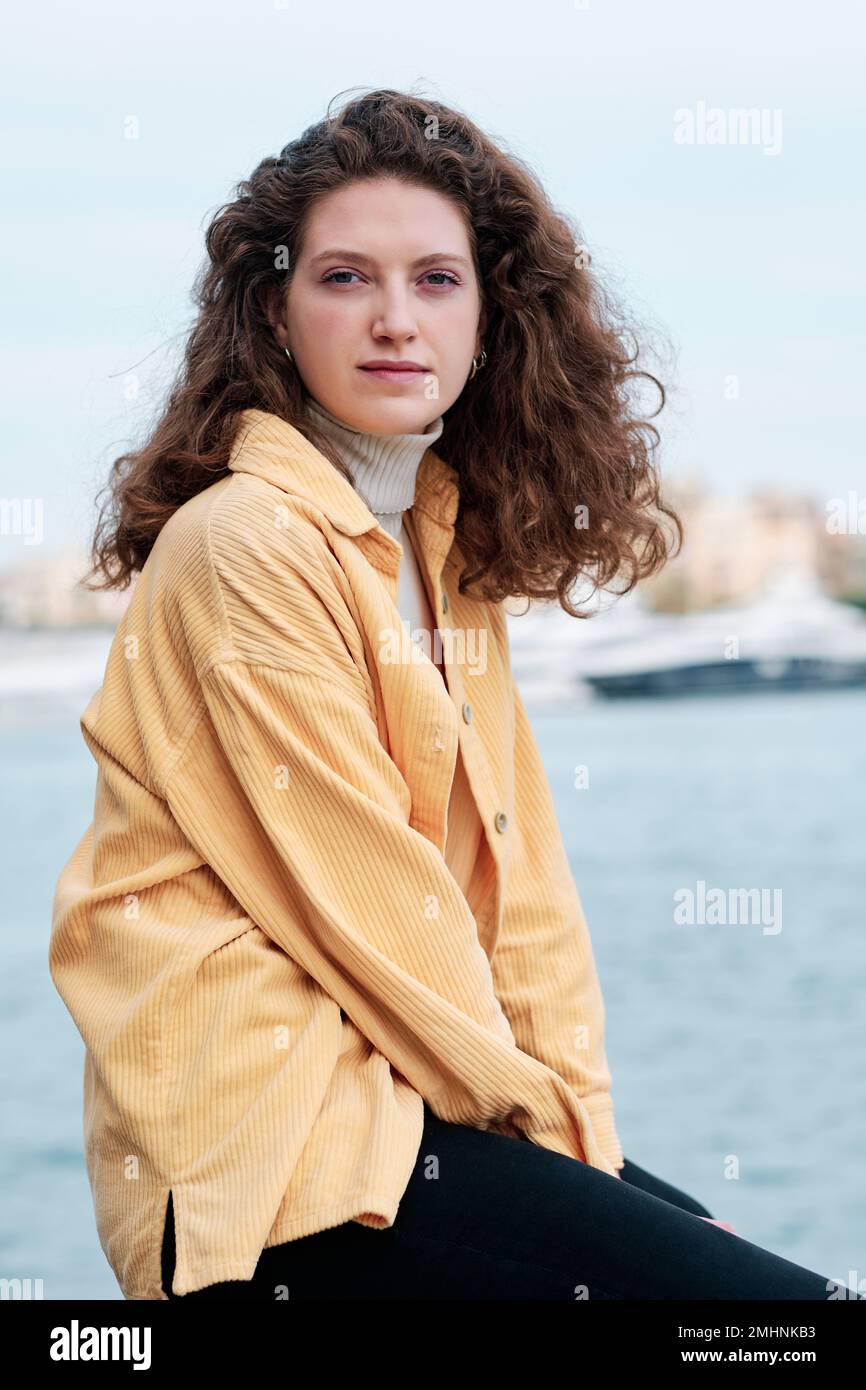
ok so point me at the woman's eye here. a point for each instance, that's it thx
(332, 273)
(450, 279)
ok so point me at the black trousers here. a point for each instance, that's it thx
(490, 1217)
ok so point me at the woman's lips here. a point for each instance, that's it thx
(400, 374)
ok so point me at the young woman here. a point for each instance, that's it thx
(344, 1031)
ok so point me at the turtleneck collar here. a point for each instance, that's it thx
(385, 466)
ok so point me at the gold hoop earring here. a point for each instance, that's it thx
(478, 362)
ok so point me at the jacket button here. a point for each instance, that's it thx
(501, 821)
(444, 602)
(467, 712)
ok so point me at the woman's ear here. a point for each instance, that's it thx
(272, 304)
(482, 327)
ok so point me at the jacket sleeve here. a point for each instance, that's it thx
(289, 794)
(543, 965)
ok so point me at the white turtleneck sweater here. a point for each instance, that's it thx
(385, 467)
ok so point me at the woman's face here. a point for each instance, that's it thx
(385, 274)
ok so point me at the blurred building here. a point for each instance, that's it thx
(734, 545)
(42, 589)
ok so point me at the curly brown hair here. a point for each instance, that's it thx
(555, 460)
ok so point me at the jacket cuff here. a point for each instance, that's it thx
(600, 1109)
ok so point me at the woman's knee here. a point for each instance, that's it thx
(639, 1177)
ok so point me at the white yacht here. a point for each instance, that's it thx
(791, 635)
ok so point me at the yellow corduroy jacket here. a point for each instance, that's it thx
(257, 936)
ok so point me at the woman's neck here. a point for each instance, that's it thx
(385, 466)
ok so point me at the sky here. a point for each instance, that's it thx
(743, 260)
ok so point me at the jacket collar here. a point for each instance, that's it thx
(269, 447)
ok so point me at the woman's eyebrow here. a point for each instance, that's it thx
(370, 260)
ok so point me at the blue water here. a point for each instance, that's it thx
(733, 1049)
